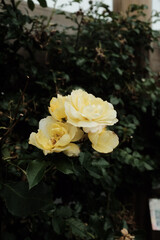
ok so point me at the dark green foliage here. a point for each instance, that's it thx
(35, 172)
(22, 202)
(90, 197)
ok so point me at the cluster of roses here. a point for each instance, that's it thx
(73, 116)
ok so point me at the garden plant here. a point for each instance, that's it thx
(87, 187)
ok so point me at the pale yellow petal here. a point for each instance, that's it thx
(78, 135)
(47, 151)
(71, 130)
(104, 142)
(57, 109)
(45, 125)
(42, 141)
(32, 139)
(72, 150)
(94, 129)
(63, 141)
(87, 111)
(73, 116)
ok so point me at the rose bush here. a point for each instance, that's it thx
(94, 195)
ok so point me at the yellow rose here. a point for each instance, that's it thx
(56, 108)
(54, 136)
(104, 141)
(87, 111)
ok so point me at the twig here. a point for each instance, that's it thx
(78, 32)
(24, 172)
(10, 128)
(15, 120)
(3, 2)
(21, 97)
(52, 13)
(13, 4)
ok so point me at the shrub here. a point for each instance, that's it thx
(90, 196)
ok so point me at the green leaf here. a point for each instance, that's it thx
(31, 4)
(84, 157)
(35, 172)
(120, 71)
(63, 212)
(77, 227)
(104, 76)
(137, 31)
(100, 163)
(94, 174)
(57, 224)
(107, 225)
(43, 3)
(70, 49)
(147, 166)
(117, 44)
(117, 86)
(58, 220)
(21, 201)
(63, 165)
(80, 61)
(114, 100)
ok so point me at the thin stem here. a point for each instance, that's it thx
(21, 97)
(15, 120)
(78, 32)
(13, 4)
(24, 172)
(3, 2)
(52, 13)
(51, 167)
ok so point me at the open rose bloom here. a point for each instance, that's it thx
(54, 136)
(87, 111)
(71, 117)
